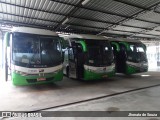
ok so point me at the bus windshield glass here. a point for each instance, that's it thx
(30, 50)
(99, 53)
(137, 53)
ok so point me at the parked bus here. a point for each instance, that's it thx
(33, 56)
(88, 57)
(130, 56)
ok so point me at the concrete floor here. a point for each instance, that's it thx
(48, 96)
(30, 98)
(141, 100)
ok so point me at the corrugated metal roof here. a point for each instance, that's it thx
(150, 16)
(26, 20)
(142, 3)
(157, 9)
(97, 16)
(112, 6)
(138, 23)
(29, 12)
(157, 28)
(46, 5)
(88, 23)
(75, 2)
(154, 32)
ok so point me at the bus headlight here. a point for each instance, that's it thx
(21, 73)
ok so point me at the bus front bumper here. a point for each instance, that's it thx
(18, 79)
(89, 75)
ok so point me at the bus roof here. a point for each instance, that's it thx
(124, 40)
(87, 36)
(34, 31)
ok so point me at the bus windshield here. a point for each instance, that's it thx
(137, 53)
(99, 53)
(30, 50)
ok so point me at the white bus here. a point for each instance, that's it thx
(34, 56)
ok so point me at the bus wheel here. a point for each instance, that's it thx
(67, 71)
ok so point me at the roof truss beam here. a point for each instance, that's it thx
(125, 17)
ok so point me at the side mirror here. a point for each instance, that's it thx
(7, 39)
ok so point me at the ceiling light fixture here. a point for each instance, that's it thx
(65, 21)
(85, 2)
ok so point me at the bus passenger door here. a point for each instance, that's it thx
(121, 59)
(72, 63)
(80, 60)
(115, 49)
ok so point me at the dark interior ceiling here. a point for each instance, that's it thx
(126, 18)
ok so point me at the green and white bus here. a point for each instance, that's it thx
(33, 56)
(130, 56)
(88, 57)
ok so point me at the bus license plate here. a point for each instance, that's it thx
(104, 76)
(41, 79)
